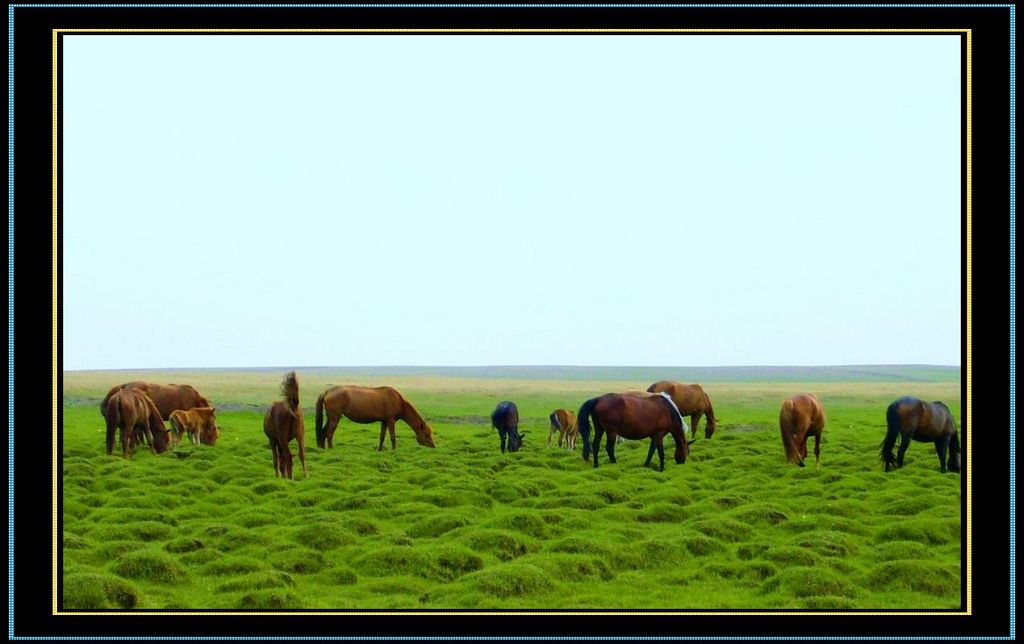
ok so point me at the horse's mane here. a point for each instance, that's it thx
(676, 410)
(290, 390)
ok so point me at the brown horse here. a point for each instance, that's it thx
(368, 405)
(132, 411)
(199, 423)
(167, 398)
(801, 416)
(563, 421)
(691, 401)
(283, 422)
(634, 416)
(926, 422)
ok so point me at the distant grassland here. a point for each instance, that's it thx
(463, 526)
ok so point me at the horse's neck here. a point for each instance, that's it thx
(410, 415)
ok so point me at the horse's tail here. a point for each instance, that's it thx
(320, 429)
(583, 424)
(113, 415)
(290, 390)
(554, 420)
(786, 425)
(892, 419)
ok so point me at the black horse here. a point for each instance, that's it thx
(926, 422)
(505, 419)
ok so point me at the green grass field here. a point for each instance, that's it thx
(464, 526)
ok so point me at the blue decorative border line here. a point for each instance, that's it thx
(10, 320)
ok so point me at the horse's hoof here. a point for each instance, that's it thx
(801, 464)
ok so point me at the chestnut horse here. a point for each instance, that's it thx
(283, 422)
(634, 416)
(505, 419)
(132, 411)
(691, 401)
(167, 398)
(563, 421)
(926, 422)
(801, 417)
(199, 423)
(365, 405)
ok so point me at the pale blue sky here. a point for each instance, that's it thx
(234, 201)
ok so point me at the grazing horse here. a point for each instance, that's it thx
(200, 424)
(368, 405)
(563, 421)
(132, 411)
(282, 423)
(634, 416)
(505, 419)
(926, 422)
(691, 401)
(800, 417)
(167, 398)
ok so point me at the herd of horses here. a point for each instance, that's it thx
(139, 410)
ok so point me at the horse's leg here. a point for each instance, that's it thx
(383, 433)
(125, 438)
(391, 431)
(661, 453)
(301, 440)
(149, 438)
(501, 435)
(817, 451)
(941, 446)
(609, 446)
(598, 431)
(551, 432)
(650, 454)
(273, 453)
(694, 420)
(332, 426)
(904, 444)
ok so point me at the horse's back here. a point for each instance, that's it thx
(806, 409)
(690, 399)
(505, 415)
(633, 412)
(364, 404)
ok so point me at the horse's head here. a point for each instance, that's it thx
(711, 426)
(683, 451)
(161, 439)
(515, 440)
(424, 434)
(210, 435)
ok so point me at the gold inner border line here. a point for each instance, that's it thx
(56, 33)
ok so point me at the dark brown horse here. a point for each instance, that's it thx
(563, 421)
(691, 401)
(926, 422)
(801, 417)
(167, 398)
(365, 405)
(133, 412)
(505, 419)
(282, 423)
(200, 424)
(633, 416)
